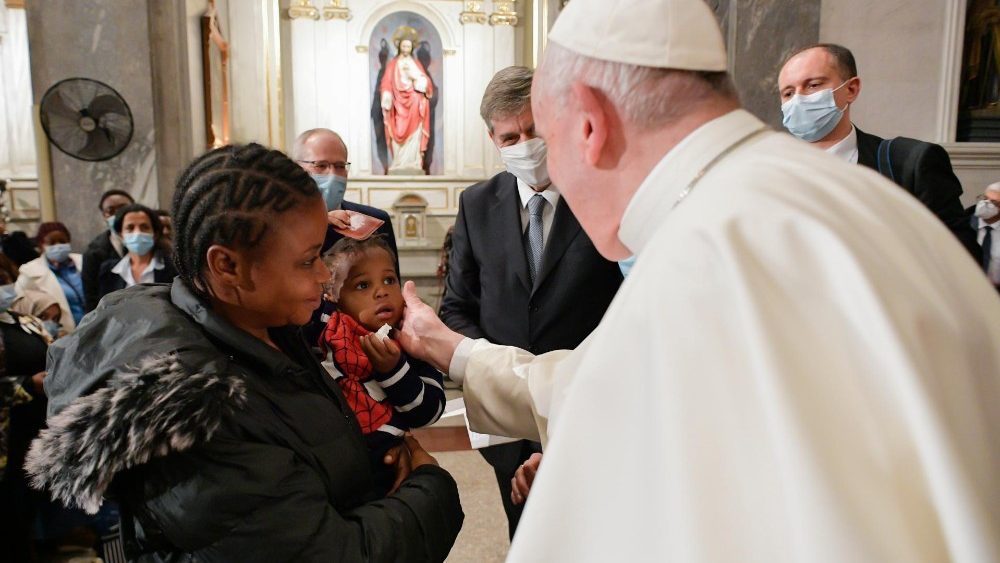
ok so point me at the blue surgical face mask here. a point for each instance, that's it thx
(139, 243)
(7, 296)
(58, 253)
(111, 223)
(812, 117)
(52, 328)
(626, 265)
(332, 187)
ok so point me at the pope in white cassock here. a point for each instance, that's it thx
(803, 364)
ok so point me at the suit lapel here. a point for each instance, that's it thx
(506, 227)
(868, 149)
(565, 228)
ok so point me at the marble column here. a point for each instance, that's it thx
(137, 48)
(760, 35)
(171, 94)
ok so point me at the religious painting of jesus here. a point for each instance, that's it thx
(406, 89)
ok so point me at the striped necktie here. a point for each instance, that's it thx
(536, 243)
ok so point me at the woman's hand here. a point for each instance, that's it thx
(384, 354)
(407, 457)
(400, 457)
(37, 381)
(520, 485)
(339, 219)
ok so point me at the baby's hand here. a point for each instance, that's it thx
(339, 218)
(384, 354)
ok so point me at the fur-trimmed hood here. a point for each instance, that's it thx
(139, 379)
(156, 409)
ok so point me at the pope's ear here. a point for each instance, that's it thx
(593, 126)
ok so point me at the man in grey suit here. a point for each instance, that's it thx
(521, 270)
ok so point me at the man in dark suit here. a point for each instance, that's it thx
(323, 154)
(521, 271)
(103, 247)
(984, 218)
(818, 85)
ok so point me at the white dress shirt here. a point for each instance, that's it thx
(847, 148)
(124, 269)
(548, 212)
(779, 374)
(993, 271)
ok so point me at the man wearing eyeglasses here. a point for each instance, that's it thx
(323, 154)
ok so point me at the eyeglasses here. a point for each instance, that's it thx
(324, 166)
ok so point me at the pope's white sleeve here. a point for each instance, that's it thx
(499, 398)
(456, 370)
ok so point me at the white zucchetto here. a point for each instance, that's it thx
(680, 34)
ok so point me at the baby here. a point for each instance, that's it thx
(389, 392)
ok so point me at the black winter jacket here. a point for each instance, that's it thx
(98, 251)
(222, 448)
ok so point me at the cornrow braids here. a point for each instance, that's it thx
(230, 196)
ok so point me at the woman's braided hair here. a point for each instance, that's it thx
(230, 196)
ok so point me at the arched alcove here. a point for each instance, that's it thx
(418, 115)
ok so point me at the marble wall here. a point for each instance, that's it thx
(106, 40)
(910, 76)
(760, 35)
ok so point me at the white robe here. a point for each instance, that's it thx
(802, 366)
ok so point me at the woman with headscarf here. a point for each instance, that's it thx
(42, 306)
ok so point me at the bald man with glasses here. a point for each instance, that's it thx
(323, 154)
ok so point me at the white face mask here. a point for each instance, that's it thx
(986, 209)
(527, 161)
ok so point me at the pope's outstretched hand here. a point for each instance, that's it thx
(423, 335)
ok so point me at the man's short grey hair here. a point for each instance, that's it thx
(303, 138)
(507, 94)
(647, 97)
(993, 188)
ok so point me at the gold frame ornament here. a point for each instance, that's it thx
(472, 12)
(336, 10)
(303, 9)
(505, 13)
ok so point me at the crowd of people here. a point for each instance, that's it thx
(799, 364)
(45, 291)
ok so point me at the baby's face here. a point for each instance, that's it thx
(371, 292)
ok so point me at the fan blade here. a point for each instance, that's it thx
(55, 106)
(68, 136)
(78, 93)
(54, 120)
(99, 146)
(105, 104)
(117, 124)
